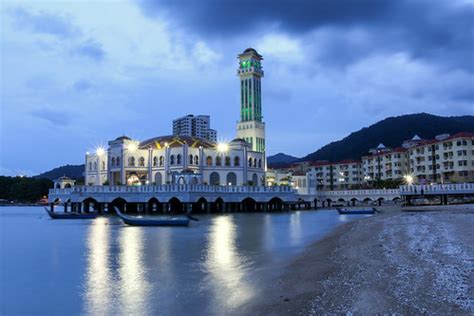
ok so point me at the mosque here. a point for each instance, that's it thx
(191, 160)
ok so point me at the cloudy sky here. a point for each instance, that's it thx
(75, 74)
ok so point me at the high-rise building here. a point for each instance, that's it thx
(195, 126)
(251, 127)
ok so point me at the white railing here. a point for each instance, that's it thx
(437, 188)
(378, 192)
(198, 188)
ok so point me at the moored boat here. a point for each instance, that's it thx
(71, 215)
(356, 211)
(150, 221)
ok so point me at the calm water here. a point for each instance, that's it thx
(103, 267)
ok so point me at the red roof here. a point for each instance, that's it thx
(329, 163)
(461, 134)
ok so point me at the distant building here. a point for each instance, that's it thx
(345, 174)
(194, 126)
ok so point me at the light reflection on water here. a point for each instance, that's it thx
(99, 290)
(102, 267)
(225, 264)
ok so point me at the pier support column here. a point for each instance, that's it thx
(65, 207)
(286, 207)
(265, 207)
(188, 208)
(166, 208)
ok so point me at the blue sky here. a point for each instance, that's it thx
(75, 74)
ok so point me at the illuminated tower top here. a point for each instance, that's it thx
(251, 127)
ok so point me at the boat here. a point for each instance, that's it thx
(152, 221)
(72, 215)
(356, 211)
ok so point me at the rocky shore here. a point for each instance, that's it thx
(399, 262)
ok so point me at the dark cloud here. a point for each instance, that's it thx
(53, 116)
(46, 23)
(440, 30)
(90, 49)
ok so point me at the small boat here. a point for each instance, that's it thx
(72, 215)
(150, 221)
(356, 211)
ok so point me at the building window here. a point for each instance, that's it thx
(162, 160)
(250, 162)
(113, 161)
(103, 165)
(260, 163)
(196, 160)
(255, 162)
(191, 159)
(118, 161)
(172, 160)
(237, 161)
(227, 161)
(218, 161)
(95, 166)
(209, 161)
(90, 166)
(155, 161)
(178, 159)
(214, 179)
(131, 161)
(141, 162)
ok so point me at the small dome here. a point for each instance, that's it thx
(123, 138)
(175, 141)
(380, 146)
(250, 50)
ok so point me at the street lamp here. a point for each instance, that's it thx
(408, 179)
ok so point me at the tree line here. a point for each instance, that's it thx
(23, 189)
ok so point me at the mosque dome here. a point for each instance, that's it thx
(175, 141)
(250, 50)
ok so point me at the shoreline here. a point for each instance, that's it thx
(398, 261)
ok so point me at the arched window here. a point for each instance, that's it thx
(209, 161)
(158, 179)
(260, 163)
(255, 162)
(255, 179)
(231, 178)
(250, 162)
(162, 161)
(113, 162)
(227, 161)
(214, 179)
(141, 162)
(95, 166)
(90, 166)
(196, 160)
(178, 159)
(118, 161)
(103, 165)
(194, 181)
(172, 160)
(155, 161)
(131, 161)
(218, 161)
(191, 160)
(236, 161)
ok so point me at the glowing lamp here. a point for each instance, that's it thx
(100, 151)
(132, 147)
(222, 147)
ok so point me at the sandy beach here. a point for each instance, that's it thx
(393, 262)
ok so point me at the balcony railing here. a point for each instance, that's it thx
(437, 188)
(199, 188)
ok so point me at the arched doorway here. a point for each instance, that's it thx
(231, 178)
(275, 204)
(90, 205)
(120, 203)
(249, 205)
(214, 179)
(154, 206)
(218, 206)
(176, 207)
(201, 206)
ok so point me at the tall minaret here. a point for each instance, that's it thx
(251, 127)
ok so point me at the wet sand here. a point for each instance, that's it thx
(393, 262)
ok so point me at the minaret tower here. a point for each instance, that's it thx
(251, 127)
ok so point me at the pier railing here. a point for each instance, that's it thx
(172, 188)
(454, 188)
(368, 192)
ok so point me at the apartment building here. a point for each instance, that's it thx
(345, 174)
(385, 164)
